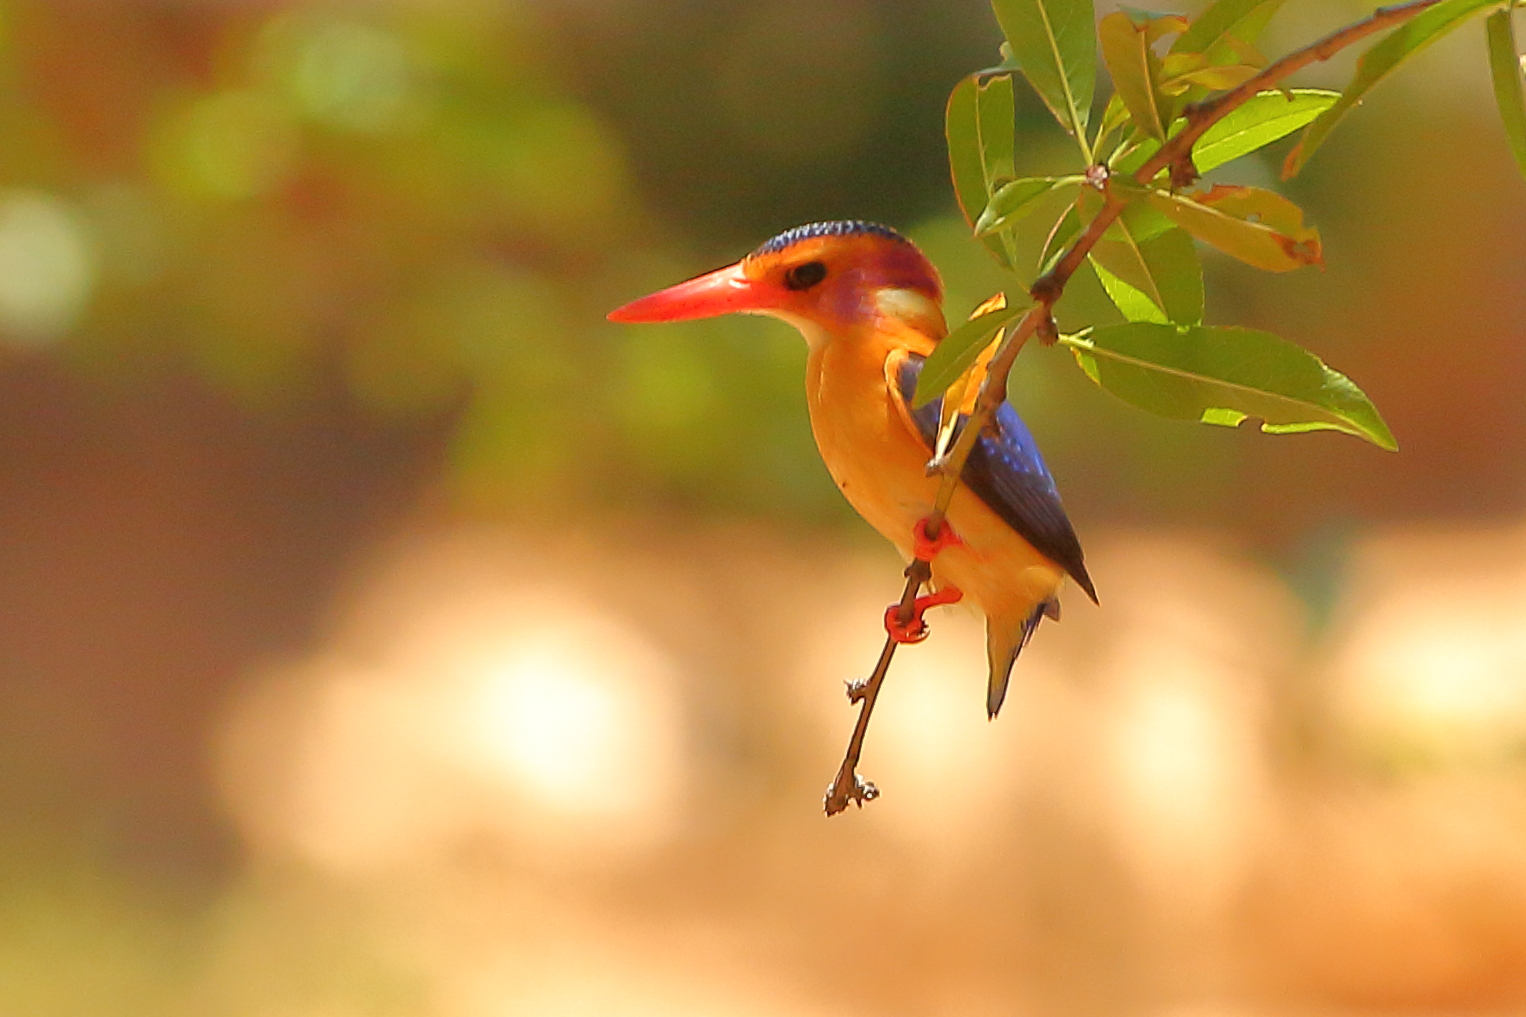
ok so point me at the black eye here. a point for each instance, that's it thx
(803, 277)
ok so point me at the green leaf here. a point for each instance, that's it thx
(1017, 198)
(1374, 65)
(1266, 118)
(961, 127)
(1224, 34)
(996, 118)
(1215, 31)
(1505, 67)
(1114, 116)
(1181, 71)
(1255, 225)
(957, 351)
(1065, 229)
(1224, 375)
(1135, 69)
(1131, 157)
(1131, 301)
(974, 111)
(1262, 120)
(1142, 219)
(1163, 269)
(1055, 42)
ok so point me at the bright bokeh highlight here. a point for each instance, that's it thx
(47, 267)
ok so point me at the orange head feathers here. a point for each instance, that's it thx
(827, 278)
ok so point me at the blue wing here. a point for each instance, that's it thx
(1006, 472)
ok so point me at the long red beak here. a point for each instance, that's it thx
(724, 291)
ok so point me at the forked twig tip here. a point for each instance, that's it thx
(839, 794)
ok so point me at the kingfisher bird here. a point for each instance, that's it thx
(870, 306)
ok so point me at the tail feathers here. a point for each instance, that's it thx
(1002, 650)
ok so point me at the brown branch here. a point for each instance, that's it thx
(1046, 291)
(848, 786)
(1206, 114)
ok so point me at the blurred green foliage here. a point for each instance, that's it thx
(416, 209)
(422, 214)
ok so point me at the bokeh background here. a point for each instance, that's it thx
(384, 633)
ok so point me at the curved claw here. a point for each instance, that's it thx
(926, 548)
(915, 629)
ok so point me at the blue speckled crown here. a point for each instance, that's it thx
(835, 228)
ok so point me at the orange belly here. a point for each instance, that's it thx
(879, 464)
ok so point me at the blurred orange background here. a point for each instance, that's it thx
(382, 632)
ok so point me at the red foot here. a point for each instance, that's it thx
(926, 548)
(915, 630)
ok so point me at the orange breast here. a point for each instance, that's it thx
(879, 464)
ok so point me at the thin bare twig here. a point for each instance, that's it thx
(848, 786)
(1175, 154)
